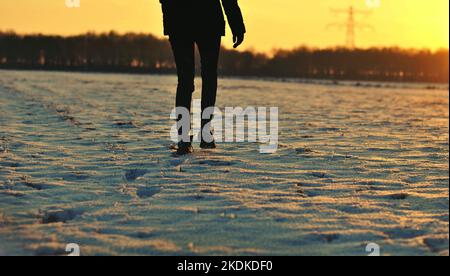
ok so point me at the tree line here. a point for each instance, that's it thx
(143, 53)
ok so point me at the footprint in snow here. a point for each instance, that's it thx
(132, 175)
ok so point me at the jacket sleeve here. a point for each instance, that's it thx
(234, 16)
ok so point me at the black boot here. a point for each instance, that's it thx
(185, 148)
(208, 145)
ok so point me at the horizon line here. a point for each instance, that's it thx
(250, 49)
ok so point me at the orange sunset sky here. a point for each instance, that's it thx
(270, 23)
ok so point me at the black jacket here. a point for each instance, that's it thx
(201, 17)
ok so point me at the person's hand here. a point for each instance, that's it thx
(238, 39)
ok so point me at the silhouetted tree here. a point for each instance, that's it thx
(112, 52)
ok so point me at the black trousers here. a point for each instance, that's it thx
(184, 52)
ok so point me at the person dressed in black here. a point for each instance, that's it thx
(202, 23)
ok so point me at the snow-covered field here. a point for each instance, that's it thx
(86, 159)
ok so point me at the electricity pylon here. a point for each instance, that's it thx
(350, 25)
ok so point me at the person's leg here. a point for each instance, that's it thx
(183, 51)
(209, 49)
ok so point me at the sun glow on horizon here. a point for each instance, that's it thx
(270, 23)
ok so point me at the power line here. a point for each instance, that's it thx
(351, 24)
